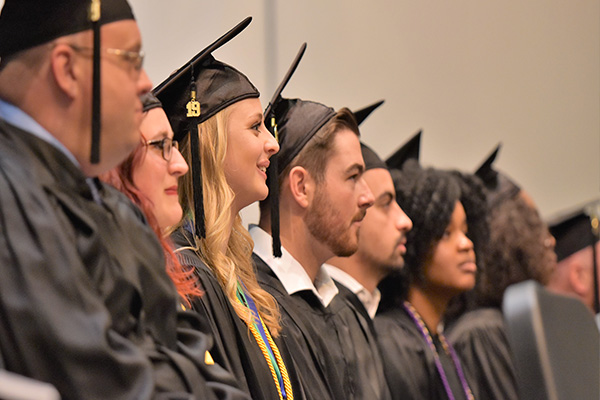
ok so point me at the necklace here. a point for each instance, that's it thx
(267, 346)
(412, 312)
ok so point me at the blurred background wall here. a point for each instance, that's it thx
(470, 73)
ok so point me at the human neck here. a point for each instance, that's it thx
(299, 243)
(430, 307)
(357, 269)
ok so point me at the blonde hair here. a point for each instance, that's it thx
(236, 263)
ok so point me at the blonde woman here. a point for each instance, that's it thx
(228, 147)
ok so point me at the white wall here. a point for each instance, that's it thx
(471, 73)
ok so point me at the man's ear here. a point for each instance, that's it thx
(66, 69)
(580, 277)
(301, 185)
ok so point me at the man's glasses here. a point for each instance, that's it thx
(135, 58)
(165, 145)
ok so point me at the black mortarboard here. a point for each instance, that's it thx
(408, 151)
(197, 91)
(28, 23)
(271, 122)
(150, 101)
(372, 160)
(498, 186)
(363, 113)
(297, 122)
(575, 231)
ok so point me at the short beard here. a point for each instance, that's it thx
(324, 223)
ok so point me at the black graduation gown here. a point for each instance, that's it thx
(85, 301)
(409, 362)
(235, 346)
(318, 339)
(371, 377)
(479, 338)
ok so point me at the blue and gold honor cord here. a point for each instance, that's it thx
(267, 346)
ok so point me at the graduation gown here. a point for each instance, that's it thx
(479, 337)
(371, 377)
(235, 348)
(313, 344)
(409, 362)
(85, 301)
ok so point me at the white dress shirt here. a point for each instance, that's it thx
(289, 271)
(369, 300)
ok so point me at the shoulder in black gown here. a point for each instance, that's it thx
(85, 301)
(234, 346)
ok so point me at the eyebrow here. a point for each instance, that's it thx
(387, 196)
(258, 116)
(360, 168)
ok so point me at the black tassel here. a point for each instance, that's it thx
(197, 180)
(273, 183)
(274, 199)
(95, 18)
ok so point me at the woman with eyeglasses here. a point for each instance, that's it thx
(150, 178)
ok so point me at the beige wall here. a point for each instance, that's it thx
(471, 73)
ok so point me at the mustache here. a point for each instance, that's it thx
(359, 216)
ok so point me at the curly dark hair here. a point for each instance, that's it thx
(428, 196)
(519, 250)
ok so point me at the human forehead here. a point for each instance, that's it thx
(345, 153)
(246, 108)
(379, 181)
(155, 124)
(123, 34)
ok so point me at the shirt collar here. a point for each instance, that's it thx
(17, 117)
(369, 299)
(289, 271)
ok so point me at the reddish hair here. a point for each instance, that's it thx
(121, 177)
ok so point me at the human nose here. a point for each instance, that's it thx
(144, 83)
(365, 198)
(403, 223)
(271, 145)
(177, 164)
(465, 244)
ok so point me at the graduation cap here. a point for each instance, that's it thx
(194, 93)
(271, 121)
(499, 186)
(372, 160)
(575, 231)
(363, 113)
(150, 101)
(28, 23)
(408, 151)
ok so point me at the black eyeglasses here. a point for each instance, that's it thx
(135, 58)
(165, 145)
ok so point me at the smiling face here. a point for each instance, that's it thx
(341, 199)
(156, 177)
(249, 147)
(451, 269)
(382, 236)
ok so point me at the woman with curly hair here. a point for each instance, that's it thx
(218, 118)
(449, 230)
(521, 248)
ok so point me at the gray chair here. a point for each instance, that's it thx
(555, 344)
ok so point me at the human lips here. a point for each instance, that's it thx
(171, 190)
(468, 266)
(262, 167)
